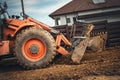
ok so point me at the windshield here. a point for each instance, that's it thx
(3, 10)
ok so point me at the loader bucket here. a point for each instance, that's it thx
(79, 50)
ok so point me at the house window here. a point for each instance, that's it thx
(74, 19)
(57, 21)
(68, 20)
(98, 1)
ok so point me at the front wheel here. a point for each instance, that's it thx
(35, 48)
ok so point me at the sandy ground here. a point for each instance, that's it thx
(94, 66)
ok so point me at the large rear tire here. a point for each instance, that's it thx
(34, 48)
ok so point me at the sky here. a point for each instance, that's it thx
(38, 9)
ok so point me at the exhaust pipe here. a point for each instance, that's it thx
(23, 10)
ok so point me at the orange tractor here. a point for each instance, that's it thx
(32, 42)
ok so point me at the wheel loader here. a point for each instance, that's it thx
(35, 44)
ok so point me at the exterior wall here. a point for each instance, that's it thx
(113, 38)
(63, 20)
(71, 16)
(64, 17)
(112, 18)
(108, 18)
(98, 11)
(115, 18)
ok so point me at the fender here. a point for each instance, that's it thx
(21, 27)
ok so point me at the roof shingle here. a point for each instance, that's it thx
(83, 5)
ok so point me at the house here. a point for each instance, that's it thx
(104, 14)
(87, 11)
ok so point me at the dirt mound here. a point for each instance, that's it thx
(94, 66)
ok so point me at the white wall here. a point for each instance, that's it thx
(63, 19)
(71, 16)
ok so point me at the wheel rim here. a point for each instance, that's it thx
(34, 49)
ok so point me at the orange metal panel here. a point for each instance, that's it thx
(4, 48)
(65, 40)
(60, 38)
(44, 26)
(62, 51)
(22, 26)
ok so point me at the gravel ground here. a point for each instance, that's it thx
(94, 66)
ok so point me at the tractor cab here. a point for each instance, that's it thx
(3, 7)
(3, 13)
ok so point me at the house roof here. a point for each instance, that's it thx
(83, 5)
